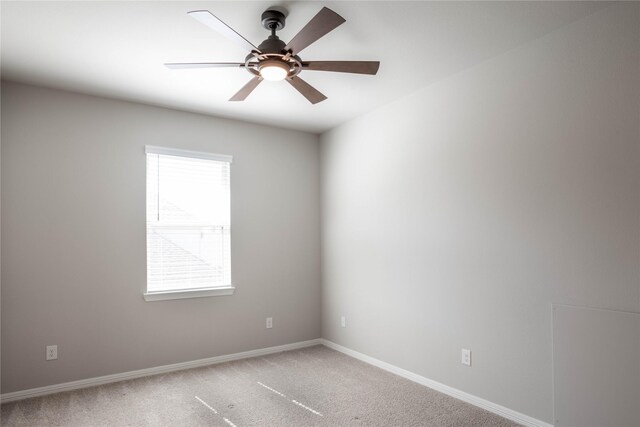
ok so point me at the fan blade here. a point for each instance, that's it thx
(325, 21)
(186, 65)
(308, 91)
(242, 94)
(213, 22)
(356, 67)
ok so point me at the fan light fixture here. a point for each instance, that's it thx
(273, 70)
(276, 60)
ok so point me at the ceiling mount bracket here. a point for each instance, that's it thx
(273, 20)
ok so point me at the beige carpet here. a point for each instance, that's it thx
(315, 386)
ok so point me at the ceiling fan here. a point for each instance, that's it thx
(275, 60)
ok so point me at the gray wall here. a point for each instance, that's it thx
(596, 367)
(73, 239)
(454, 217)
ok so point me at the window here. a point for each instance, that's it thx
(188, 224)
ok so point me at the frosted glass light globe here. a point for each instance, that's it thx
(273, 70)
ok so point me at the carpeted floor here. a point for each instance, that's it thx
(314, 386)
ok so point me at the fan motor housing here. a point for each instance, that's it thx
(272, 45)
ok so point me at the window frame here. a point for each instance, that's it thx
(183, 293)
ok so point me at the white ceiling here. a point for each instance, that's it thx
(117, 49)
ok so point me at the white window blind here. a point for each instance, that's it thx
(188, 220)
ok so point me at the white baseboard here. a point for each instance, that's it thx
(453, 392)
(90, 382)
(458, 394)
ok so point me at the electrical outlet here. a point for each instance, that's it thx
(343, 322)
(466, 357)
(52, 352)
(269, 322)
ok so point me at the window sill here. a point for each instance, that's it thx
(193, 293)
